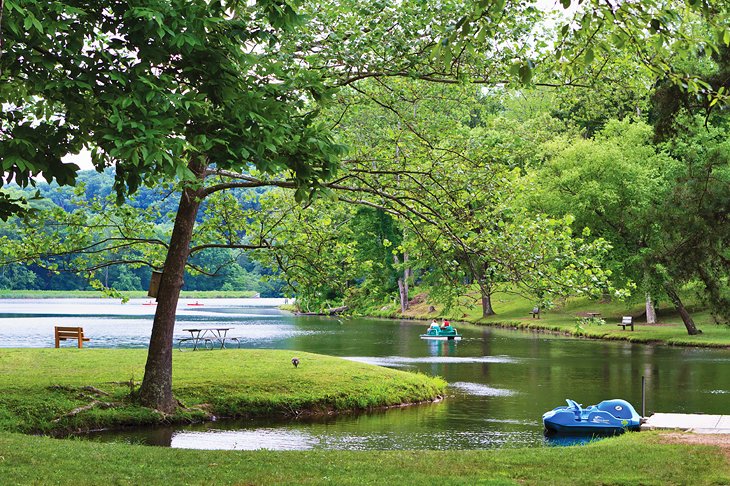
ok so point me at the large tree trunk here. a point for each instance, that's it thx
(650, 311)
(156, 389)
(406, 277)
(686, 318)
(402, 287)
(487, 303)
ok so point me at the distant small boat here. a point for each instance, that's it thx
(196, 304)
(447, 333)
(608, 417)
(149, 302)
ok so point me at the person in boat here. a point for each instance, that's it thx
(445, 324)
(434, 325)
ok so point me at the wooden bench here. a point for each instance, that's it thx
(627, 321)
(535, 312)
(64, 333)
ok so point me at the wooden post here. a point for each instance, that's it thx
(643, 396)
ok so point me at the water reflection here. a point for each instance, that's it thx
(571, 440)
(317, 436)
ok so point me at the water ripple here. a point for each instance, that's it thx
(482, 390)
(248, 440)
(401, 360)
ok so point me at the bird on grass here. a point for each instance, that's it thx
(295, 362)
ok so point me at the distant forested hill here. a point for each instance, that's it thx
(237, 272)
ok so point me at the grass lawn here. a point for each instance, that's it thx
(635, 458)
(41, 388)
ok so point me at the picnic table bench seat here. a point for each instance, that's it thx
(626, 321)
(207, 338)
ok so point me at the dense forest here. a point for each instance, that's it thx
(231, 270)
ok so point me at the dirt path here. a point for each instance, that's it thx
(720, 440)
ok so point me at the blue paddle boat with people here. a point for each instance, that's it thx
(608, 417)
(442, 332)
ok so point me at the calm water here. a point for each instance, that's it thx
(501, 382)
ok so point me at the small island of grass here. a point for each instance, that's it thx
(52, 390)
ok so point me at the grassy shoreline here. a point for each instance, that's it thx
(569, 319)
(58, 390)
(634, 458)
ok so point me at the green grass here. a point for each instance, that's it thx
(669, 330)
(636, 458)
(514, 312)
(132, 294)
(42, 386)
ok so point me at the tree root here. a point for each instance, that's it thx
(91, 393)
(95, 395)
(94, 390)
(84, 408)
(88, 388)
(201, 409)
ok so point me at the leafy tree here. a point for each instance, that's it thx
(665, 216)
(161, 89)
(312, 245)
(17, 277)
(126, 280)
(666, 36)
(452, 186)
(613, 185)
(694, 217)
(379, 239)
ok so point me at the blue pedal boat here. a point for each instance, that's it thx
(608, 417)
(447, 333)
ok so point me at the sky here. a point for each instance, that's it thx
(82, 159)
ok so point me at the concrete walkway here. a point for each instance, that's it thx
(700, 424)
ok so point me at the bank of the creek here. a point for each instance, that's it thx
(500, 381)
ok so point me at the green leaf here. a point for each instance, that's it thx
(618, 40)
(589, 56)
(525, 73)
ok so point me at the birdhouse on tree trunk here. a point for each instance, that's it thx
(154, 283)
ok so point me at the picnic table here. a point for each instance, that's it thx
(593, 315)
(208, 337)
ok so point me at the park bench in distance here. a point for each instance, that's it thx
(64, 333)
(535, 312)
(626, 321)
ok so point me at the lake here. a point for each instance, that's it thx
(500, 381)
